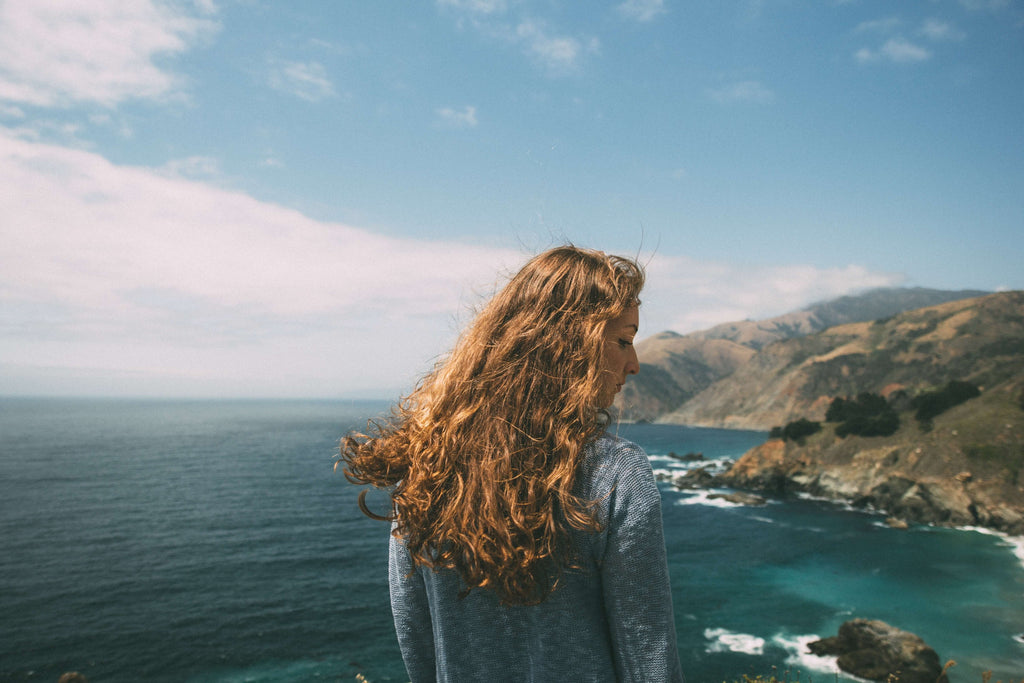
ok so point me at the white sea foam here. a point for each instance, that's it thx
(799, 657)
(723, 640)
(702, 497)
(1016, 543)
(838, 502)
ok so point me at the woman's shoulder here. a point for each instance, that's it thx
(613, 445)
(613, 458)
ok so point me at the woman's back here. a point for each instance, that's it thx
(609, 619)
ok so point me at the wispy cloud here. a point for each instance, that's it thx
(641, 10)
(937, 30)
(557, 53)
(981, 5)
(113, 267)
(57, 53)
(883, 26)
(721, 292)
(475, 6)
(305, 80)
(458, 118)
(192, 167)
(897, 50)
(742, 92)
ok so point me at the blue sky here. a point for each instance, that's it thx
(254, 198)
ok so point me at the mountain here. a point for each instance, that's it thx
(977, 340)
(675, 368)
(962, 463)
(871, 305)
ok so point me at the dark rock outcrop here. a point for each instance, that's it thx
(739, 498)
(699, 478)
(875, 650)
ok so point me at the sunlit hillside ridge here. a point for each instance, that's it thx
(722, 383)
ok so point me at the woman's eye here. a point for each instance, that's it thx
(624, 343)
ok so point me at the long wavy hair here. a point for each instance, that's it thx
(483, 454)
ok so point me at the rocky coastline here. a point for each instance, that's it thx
(962, 464)
(965, 469)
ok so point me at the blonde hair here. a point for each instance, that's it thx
(483, 454)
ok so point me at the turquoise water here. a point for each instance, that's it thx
(210, 541)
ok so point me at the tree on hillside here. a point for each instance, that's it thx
(866, 415)
(933, 403)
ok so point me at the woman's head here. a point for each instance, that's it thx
(483, 455)
(549, 326)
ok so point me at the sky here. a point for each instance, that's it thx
(220, 198)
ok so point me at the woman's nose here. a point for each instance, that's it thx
(633, 364)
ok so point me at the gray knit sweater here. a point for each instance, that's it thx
(611, 620)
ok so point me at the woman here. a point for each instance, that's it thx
(526, 543)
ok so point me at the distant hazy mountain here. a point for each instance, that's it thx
(675, 368)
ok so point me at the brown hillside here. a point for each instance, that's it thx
(978, 340)
(674, 369)
(966, 469)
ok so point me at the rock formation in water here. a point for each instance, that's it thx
(875, 650)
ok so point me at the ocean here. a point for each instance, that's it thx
(210, 541)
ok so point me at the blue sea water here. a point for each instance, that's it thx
(210, 541)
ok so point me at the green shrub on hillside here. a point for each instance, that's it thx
(867, 415)
(933, 403)
(795, 431)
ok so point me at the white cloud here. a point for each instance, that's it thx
(475, 6)
(897, 50)
(11, 111)
(305, 80)
(937, 30)
(744, 91)
(883, 26)
(62, 52)
(192, 167)
(464, 118)
(559, 54)
(686, 295)
(511, 24)
(979, 5)
(131, 270)
(641, 10)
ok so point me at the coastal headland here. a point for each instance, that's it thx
(915, 454)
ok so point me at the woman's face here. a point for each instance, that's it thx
(619, 358)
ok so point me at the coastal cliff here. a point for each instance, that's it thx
(960, 466)
(963, 468)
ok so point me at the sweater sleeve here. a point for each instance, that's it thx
(411, 611)
(635, 580)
